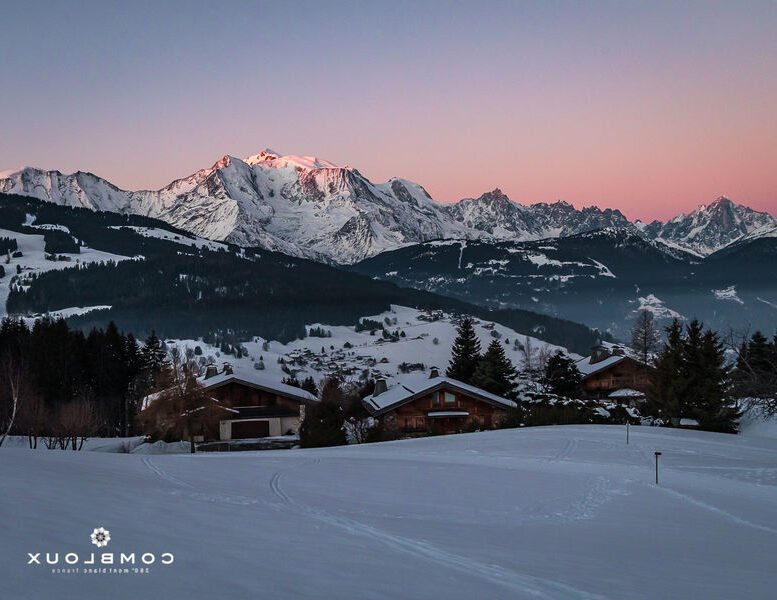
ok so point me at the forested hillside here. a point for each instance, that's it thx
(186, 288)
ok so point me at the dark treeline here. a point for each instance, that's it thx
(67, 385)
(57, 242)
(7, 245)
(755, 375)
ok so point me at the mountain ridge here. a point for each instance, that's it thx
(308, 207)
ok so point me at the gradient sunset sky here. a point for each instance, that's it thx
(651, 107)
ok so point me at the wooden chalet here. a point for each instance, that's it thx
(610, 373)
(436, 405)
(259, 407)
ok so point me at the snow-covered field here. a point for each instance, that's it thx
(556, 512)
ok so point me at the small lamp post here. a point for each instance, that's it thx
(657, 455)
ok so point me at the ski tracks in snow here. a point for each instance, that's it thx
(159, 472)
(528, 585)
(718, 511)
(567, 451)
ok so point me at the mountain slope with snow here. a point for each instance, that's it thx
(301, 206)
(497, 217)
(308, 207)
(712, 227)
(601, 278)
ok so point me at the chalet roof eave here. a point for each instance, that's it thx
(445, 383)
(258, 386)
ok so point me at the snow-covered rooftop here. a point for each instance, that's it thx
(409, 390)
(254, 379)
(586, 367)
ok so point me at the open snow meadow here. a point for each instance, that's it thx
(548, 512)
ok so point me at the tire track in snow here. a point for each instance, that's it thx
(528, 585)
(159, 472)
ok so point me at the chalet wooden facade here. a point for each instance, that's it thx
(436, 405)
(258, 406)
(609, 373)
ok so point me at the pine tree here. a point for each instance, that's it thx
(324, 423)
(309, 385)
(712, 409)
(665, 389)
(691, 370)
(153, 357)
(562, 376)
(494, 372)
(465, 353)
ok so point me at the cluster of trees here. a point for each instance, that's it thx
(339, 417)
(63, 385)
(492, 370)
(319, 332)
(691, 379)
(308, 383)
(690, 376)
(367, 325)
(57, 241)
(7, 245)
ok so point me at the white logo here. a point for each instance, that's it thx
(126, 562)
(100, 537)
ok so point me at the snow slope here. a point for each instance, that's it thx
(554, 513)
(318, 357)
(33, 261)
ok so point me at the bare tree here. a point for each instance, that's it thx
(33, 419)
(180, 408)
(644, 336)
(529, 354)
(357, 423)
(77, 422)
(11, 373)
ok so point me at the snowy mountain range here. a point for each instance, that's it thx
(307, 207)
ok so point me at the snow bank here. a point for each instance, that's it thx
(161, 447)
(111, 445)
(754, 424)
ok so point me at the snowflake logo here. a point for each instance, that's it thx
(101, 537)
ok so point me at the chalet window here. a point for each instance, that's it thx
(436, 399)
(447, 398)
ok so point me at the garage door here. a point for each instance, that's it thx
(250, 429)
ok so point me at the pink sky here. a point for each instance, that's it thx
(651, 108)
